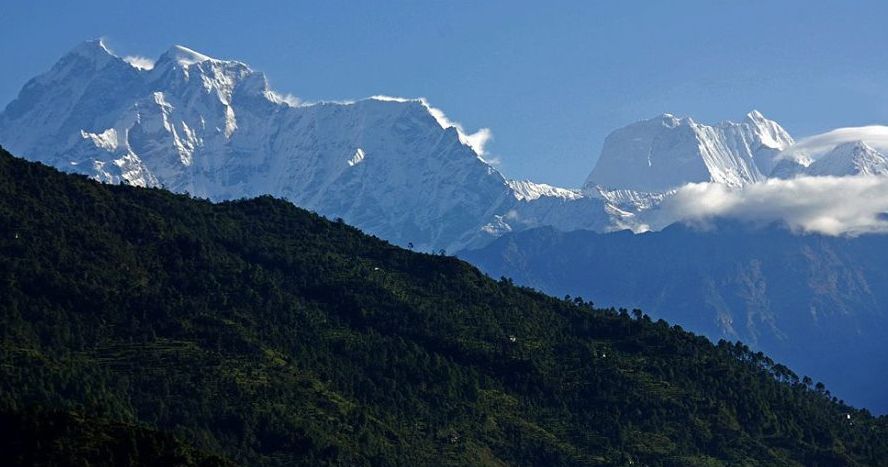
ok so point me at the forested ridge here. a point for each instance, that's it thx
(138, 325)
(812, 302)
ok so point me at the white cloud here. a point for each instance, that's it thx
(384, 98)
(142, 63)
(495, 161)
(874, 135)
(288, 98)
(826, 205)
(477, 140)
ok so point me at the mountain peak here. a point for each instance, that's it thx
(856, 150)
(183, 56)
(850, 158)
(667, 151)
(94, 50)
(756, 116)
(669, 120)
(92, 47)
(857, 146)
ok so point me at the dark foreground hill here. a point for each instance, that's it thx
(816, 303)
(138, 325)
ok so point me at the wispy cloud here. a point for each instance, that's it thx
(288, 98)
(142, 63)
(477, 140)
(874, 135)
(826, 205)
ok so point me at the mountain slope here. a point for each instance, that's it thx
(214, 128)
(262, 332)
(811, 301)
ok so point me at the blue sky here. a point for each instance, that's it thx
(550, 81)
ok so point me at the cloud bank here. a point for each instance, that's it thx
(826, 205)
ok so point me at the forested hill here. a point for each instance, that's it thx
(813, 302)
(152, 325)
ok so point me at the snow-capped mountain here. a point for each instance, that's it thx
(666, 152)
(848, 158)
(394, 167)
(854, 158)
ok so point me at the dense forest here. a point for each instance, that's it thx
(141, 327)
(811, 301)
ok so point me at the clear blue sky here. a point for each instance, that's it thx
(550, 81)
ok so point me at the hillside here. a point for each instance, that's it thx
(265, 334)
(811, 301)
(60, 438)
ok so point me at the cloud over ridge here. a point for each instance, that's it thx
(873, 135)
(142, 63)
(477, 140)
(851, 206)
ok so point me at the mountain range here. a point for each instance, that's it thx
(141, 327)
(396, 168)
(399, 169)
(213, 128)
